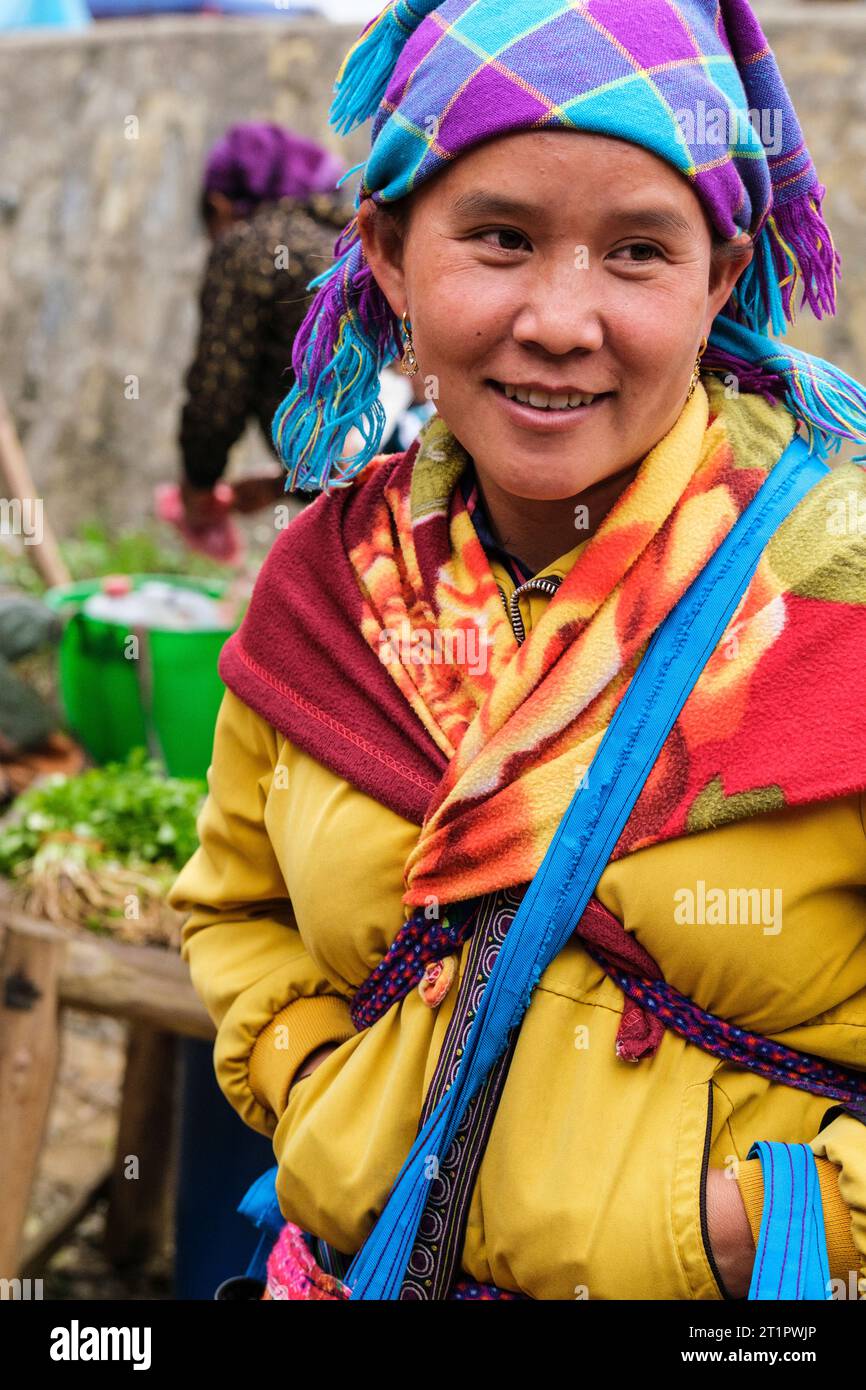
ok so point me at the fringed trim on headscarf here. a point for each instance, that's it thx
(803, 249)
(793, 249)
(831, 404)
(345, 340)
(368, 66)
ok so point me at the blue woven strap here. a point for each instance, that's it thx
(791, 1258)
(581, 847)
(259, 1205)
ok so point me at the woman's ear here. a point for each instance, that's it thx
(728, 261)
(383, 243)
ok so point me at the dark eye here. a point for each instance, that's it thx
(642, 246)
(504, 232)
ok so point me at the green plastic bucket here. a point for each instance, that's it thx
(165, 699)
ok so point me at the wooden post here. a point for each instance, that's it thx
(45, 554)
(29, 1051)
(138, 1209)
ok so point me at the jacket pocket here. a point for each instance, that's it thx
(705, 1164)
(346, 1130)
(701, 1118)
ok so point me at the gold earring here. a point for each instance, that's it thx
(408, 362)
(697, 369)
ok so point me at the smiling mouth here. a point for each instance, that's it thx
(544, 401)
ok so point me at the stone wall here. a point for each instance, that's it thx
(101, 250)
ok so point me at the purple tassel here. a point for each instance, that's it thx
(353, 286)
(751, 378)
(348, 333)
(802, 248)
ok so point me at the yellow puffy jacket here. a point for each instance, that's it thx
(593, 1181)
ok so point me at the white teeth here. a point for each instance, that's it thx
(544, 400)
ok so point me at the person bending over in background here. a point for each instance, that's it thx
(272, 213)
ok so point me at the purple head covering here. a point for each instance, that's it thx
(693, 81)
(258, 161)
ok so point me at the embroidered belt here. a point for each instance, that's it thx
(423, 955)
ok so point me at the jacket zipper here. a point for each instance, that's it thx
(546, 584)
(705, 1164)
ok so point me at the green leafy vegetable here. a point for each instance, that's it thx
(130, 810)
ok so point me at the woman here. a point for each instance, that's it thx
(270, 210)
(441, 641)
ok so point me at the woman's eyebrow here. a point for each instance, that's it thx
(481, 203)
(661, 219)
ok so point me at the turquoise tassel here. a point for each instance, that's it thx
(757, 294)
(306, 431)
(330, 272)
(369, 64)
(348, 174)
(772, 293)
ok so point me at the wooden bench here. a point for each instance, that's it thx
(44, 969)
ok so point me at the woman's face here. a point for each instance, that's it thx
(568, 261)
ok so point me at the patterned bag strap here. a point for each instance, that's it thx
(435, 1256)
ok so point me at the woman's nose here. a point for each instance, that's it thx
(561, 309)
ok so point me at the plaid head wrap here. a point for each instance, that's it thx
(680, 78)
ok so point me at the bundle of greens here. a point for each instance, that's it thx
(100, 850)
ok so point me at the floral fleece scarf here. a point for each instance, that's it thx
(377, 641)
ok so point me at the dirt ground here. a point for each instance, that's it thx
(81, 1136)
